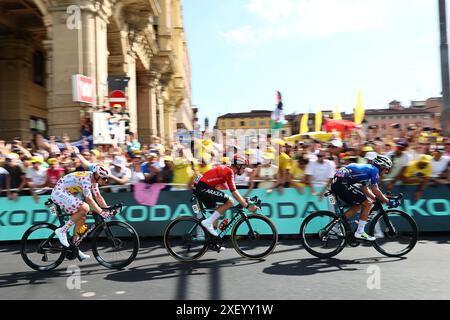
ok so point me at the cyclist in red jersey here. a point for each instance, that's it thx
(205, 189)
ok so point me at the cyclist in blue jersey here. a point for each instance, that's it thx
(357, 185)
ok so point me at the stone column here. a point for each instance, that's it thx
(170, 123)
(76, 51)
(132, 92)
(15, 64)
(147, 105)
(160, 107)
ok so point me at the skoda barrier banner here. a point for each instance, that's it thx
(287, 210)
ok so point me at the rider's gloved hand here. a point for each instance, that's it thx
(252, 207)
(106, 214)
(393, 203)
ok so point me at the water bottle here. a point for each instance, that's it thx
(223, 225)
(82, 230)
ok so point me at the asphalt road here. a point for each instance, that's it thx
(290, 273)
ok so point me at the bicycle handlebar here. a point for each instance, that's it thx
(255, 200)
(114, 207)
(395, 197)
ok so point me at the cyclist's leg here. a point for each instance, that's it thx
(351, 195)
(80, 216)
(222, 209)
(210, 197)
(71, 205)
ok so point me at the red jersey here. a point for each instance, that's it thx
(218, 176)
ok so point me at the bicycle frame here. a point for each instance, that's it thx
(99, 221)
(378, 207)
(238, 213)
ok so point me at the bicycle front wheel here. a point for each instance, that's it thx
(395, 231)
(41, 249)
(254, 237)
(323, 234)
(115, 245)
(185, 239)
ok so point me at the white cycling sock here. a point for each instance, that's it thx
(361, 226)
(215, 216)
(67, 226)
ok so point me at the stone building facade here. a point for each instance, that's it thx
(44, 42)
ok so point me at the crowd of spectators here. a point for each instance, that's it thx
(420, 157)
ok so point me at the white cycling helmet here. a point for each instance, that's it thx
(102, 171)
(382, 162)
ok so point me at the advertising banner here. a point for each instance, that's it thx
(287, 210)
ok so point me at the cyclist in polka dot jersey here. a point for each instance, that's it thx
(86, 184)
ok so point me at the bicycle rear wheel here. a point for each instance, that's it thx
(254, 237)
(323, 234)
(186, 239)
(115, 245)
(41, 249)
(395, 231)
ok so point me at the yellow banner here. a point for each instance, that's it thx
(359, 109)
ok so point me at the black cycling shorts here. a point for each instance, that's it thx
(209, 196)
(349, 193)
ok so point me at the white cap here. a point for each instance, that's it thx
(119, 162)
(12, 156)
(337, 143)
(371, 155)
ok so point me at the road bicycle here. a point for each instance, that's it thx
(115, 244)
(253, 236)
(324, 234)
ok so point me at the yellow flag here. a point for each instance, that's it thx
(319, 121)
(304, 124)
(359, 109)
(336, 114)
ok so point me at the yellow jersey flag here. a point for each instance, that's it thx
(336, 114)
(304, 124)
(319, 121)
(359, 109)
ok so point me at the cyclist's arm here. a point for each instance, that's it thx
(93, 205)
(239, 198)
(98, 197)
(368, 192)
(251, 184)
(377, 192)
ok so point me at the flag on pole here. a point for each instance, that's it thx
(277, 119)
(319, 121)
(359, 109)
(336, 114)
(304, 124)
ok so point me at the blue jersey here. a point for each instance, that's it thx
(364, 174)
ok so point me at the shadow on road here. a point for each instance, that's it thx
(312, 266)
(15, 279)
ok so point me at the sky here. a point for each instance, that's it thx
(317, 53)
